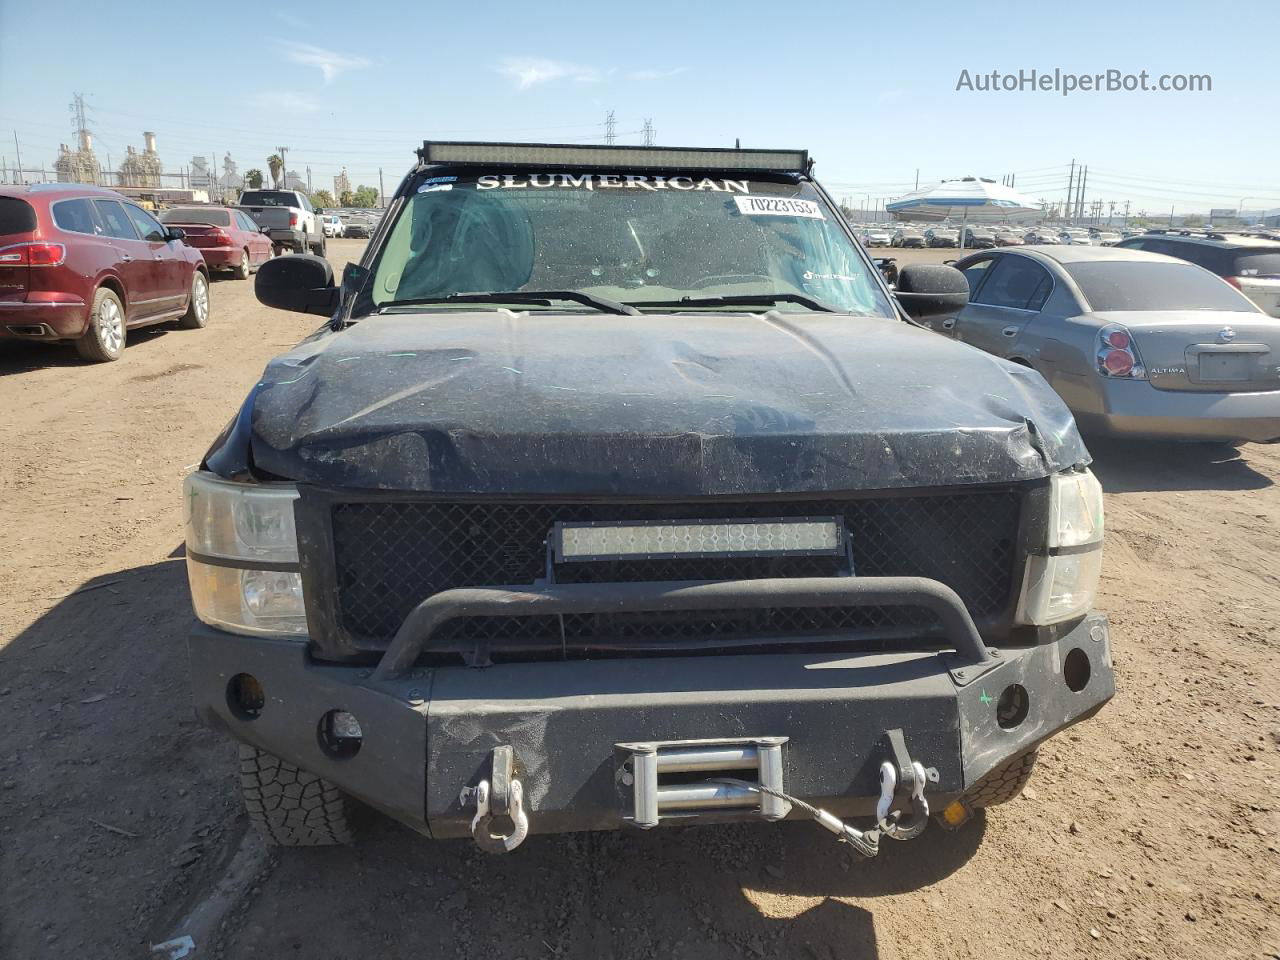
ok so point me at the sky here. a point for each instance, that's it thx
(870, 89)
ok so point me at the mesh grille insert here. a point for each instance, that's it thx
(390, 555)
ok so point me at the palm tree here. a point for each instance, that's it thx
(276, 166)
(253, 179)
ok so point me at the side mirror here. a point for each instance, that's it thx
(927, 290)
(176, 233)
(264, 229)
(302, 283)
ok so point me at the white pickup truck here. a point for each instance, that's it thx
(288, 217)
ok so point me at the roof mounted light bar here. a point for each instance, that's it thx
(576, 156)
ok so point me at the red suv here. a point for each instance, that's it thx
(85, 264)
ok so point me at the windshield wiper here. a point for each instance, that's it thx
(541, 298)
(740, 300)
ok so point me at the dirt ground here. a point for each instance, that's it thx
(1150, 831)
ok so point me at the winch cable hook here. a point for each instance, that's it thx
(866, 843)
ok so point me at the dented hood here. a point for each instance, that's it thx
(652, 406)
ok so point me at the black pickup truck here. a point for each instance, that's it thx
(618, 489)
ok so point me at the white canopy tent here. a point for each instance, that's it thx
(970, 199)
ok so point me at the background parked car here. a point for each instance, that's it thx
(356, 228)
(1042, 237)
(908, 237)
(941, 237)
(1250, 264)
(1075, 236)
(228, 239)
(85, 265)
(876, 237)
(1135, 343)
(1007, 237)
(979, 238)
(291, 221)
(331, 223)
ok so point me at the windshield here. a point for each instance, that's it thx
(633, 239)
(1139, 285)
(214, 218)
(268, 198)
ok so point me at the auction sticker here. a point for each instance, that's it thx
(756, 205)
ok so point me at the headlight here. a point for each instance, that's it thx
(1061, 584)
(242, 556)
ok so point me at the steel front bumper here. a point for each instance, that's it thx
(429, 732)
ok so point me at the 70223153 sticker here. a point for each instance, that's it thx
(755, 205)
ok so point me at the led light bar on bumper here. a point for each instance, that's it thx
(1061, 583)
(573, 156)
(698, 538)
(242, 556)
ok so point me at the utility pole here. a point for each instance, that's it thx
(1126, 214)
(1066, 207)
(1080, 182)
(18, 149)
(309, 180)
(917, 178)
(284, 168)
(1171, 216)
(648, 132)
(382, 193)
(610, 128)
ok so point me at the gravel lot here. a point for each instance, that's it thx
(1151, 831)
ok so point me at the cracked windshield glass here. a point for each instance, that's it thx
(642, 240)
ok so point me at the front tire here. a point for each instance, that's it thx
(104, 340)
(197, 314)
(289, 806)
(1003, 783)
(319, 248)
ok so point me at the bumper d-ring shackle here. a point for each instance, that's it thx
(905, 776)
(503, 797)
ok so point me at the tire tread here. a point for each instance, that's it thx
(1003, 783)
(289, 806)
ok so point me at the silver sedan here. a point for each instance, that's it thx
(1137, 344)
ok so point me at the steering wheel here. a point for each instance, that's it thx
(727, 278)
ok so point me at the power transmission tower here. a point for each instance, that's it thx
(81, 121)
(1066, 207)
(610, 128)
(648, 132)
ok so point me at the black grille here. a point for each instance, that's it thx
(392, 554)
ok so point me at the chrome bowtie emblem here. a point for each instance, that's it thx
(1226, 335)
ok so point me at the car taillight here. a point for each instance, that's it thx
(293, 219)
(33, 255)
(1118, 354)
(221, 239)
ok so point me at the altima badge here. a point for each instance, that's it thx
(1226, 335)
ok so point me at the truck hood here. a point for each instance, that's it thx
(653, 406)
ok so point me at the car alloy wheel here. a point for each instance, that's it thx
(111, 326)
(200, 296)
